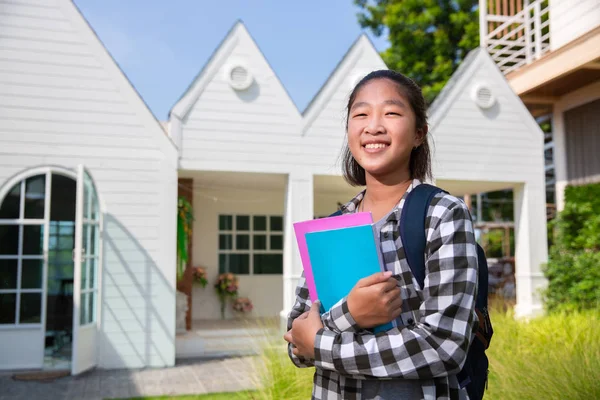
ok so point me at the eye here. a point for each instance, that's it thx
(359, 115)
(393, 113)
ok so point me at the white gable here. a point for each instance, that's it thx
(64, 101)
(257, 129)
(499, 144)
(325, 115)
(213, 104)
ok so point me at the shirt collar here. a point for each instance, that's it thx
(352, 205)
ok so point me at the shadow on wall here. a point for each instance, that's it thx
(138, 313)
(250, 94)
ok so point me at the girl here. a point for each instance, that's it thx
(388, 152)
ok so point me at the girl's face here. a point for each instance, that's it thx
(382, 129)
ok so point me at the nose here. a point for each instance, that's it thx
(374, 125)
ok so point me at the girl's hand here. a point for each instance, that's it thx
(375, 300)
(303, 332)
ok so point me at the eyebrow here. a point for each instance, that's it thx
(395, 102)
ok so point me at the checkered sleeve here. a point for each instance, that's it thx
(436, 345)
(301, 305)
(336, 319)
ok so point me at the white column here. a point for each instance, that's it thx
(482, 23)
(298, 207)
(531, 247)
(560, 156)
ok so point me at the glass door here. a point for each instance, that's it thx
(86, 288)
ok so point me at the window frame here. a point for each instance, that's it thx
(251, 232)
(21, 222)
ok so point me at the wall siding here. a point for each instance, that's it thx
(267, 132)
(497, 144)
(60, 105)
(570, 19)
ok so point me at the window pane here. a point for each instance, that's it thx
(259, 223)
(91, 309)
(235, 263)
(32, 274)
(9, 240)
(225, 242)
(93, 275)
(91, 239)
(276, 242)
(31, 308)
(33, 239)
(8, 274)
(62, 206)
(242, 223)
(225, 222)
(242, 242)
(84, 274)
(35, 193)
(277, 224)
(260, 242)
(268, 264)
(9, 209)
(8, 308)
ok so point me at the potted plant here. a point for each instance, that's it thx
(242, 305)
(226, 286)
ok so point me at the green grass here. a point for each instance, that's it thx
(211, 396)
(552, 357)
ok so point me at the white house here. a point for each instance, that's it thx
(89, 182)
(63, 103)
(549, 51)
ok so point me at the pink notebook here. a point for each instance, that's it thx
(323, 224)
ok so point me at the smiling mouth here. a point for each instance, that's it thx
(375, 147)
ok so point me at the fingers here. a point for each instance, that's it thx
(315, 308)
(374, 279)
(288, 337)
(389, 285)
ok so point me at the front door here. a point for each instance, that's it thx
(87, 275)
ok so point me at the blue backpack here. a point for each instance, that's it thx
(474, 374)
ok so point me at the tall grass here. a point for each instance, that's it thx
(552, 357)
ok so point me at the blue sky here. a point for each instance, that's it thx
(162, 45)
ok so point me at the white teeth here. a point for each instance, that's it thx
(375, 146)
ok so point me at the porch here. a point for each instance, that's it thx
(243, 225)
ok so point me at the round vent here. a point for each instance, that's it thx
(239, 77)
(483, 96)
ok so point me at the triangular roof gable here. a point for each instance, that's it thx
(328, 104)
(238, 33)
(462, 79)
(118, 77)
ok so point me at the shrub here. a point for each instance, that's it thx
(573, 270)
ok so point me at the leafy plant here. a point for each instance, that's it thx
(573, 270)
(185, 220)
(200, 276)
(226, 286)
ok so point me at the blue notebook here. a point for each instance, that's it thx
(339, 259)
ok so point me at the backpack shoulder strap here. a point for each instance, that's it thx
(412, 227)
(335, 214)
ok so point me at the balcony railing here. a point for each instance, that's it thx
(514, 32)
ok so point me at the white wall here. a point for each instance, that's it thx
(64, 102)
(570, 19)
(574, 99)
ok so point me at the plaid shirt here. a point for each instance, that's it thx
(438, 319)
